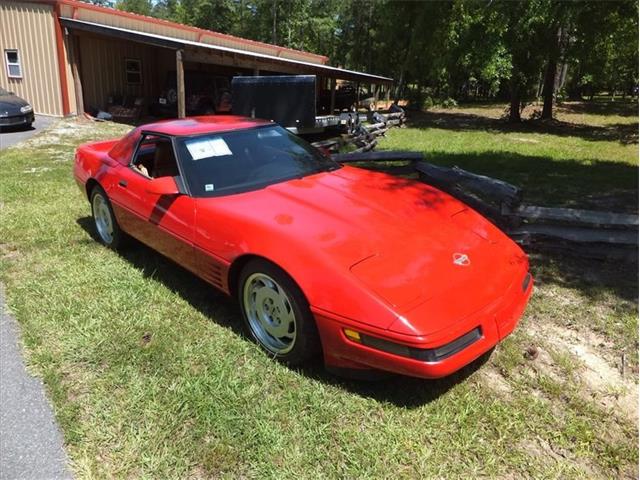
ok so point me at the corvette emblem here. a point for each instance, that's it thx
(461, 259)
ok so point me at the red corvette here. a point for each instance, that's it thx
(374, 271)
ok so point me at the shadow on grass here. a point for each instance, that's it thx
(402, 391)
(593, 278)
(620, 132)
(601, 107)
(597, 185)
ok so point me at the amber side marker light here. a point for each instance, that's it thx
(422, 354)
(352, 335)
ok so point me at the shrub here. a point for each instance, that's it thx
(449, 103)
(427, 103)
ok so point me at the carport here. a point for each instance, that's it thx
(205, 53)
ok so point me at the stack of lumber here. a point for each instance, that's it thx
(363, 136)
(586, 233)
(394, 118)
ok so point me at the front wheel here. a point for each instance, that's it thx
(276, 314)
(107, 227)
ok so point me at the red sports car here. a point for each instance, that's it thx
(374, 271)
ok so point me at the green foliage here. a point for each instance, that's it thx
(143, 7)
(427, 103)
(449, 103)
(458, 49)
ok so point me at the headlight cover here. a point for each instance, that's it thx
(26, 109)
(4, 114)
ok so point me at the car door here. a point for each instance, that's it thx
(164, 222)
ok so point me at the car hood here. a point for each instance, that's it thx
(402, 239)
(11, 103)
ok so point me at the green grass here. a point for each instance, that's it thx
(585, 159)
(150, 377)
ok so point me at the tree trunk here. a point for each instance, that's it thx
(399, 86)
(548, 90)
(514, 109)
(274, 36)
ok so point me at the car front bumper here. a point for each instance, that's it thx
(461, 344)
(17, 120)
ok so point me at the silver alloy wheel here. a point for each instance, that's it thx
(102, 218)
(270, 313)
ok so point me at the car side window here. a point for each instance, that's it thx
(154, 157)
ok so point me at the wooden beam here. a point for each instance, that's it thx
(219, 58)
(332, 104)
(182, 110)
(577, 234)
(74, 54)
(386, 156)
(478, 185)
(376, 92)
(577, 217)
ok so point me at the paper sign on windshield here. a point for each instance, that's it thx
(207, 147)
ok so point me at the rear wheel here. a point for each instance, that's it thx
(276, 314)
(107, 227)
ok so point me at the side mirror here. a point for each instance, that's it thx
(162, 186)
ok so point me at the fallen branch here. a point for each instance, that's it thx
(577, 234)
(460, 180)
(377, 157)
(576, 217)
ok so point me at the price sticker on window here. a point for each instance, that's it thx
(207, 148)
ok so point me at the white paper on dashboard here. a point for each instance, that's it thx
(208, 147)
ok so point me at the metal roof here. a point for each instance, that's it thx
(180, 44)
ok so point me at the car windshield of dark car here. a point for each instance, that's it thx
(238, 161)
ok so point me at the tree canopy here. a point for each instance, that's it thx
(457, 49)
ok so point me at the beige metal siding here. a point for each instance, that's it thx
(30, 28)
(102, 69)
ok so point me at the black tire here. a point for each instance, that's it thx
(306, 341)
(114, 238)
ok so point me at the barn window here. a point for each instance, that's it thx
(133, 71)
(12, 60)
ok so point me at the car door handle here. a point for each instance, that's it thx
(123, 183)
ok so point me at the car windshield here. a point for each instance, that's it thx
(239, 161)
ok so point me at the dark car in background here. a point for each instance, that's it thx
(14, 111)
(205, 94)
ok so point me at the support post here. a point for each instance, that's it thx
(376, 91)
(74, 51)
(332, 105)
(182, 110)
(388, 96)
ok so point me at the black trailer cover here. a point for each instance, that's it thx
(289, 100)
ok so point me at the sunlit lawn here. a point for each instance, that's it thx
(150, 377)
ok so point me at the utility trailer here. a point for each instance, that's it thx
(292, 101)
(289, 100)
